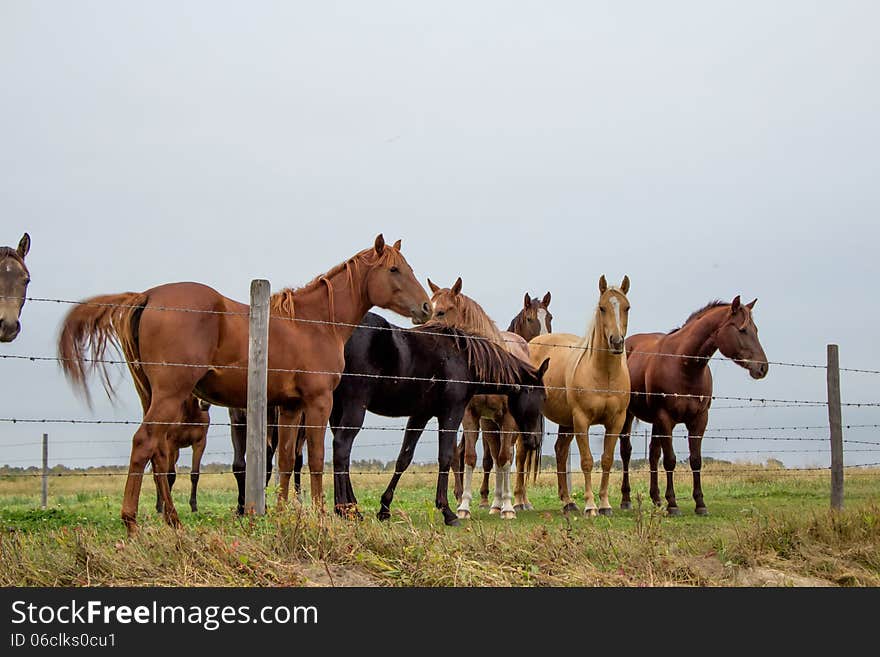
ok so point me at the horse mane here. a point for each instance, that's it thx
(475, 320)
(716, 303)
(490, 361)
(282, 302)
(586, 343)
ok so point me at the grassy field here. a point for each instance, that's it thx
(767, 527)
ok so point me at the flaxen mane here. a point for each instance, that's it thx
(717, 303)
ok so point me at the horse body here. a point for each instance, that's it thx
(185, 339)
(672, 384)
(14, 279)
(588, 383)
(448, 370)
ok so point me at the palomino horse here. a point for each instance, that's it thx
(14, 279)
(672, 384)
(428, 371)
(487, 412)
(587, 384)
(182, 339)
(532, 320)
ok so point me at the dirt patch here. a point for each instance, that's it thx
(319, 575)
(772, 577)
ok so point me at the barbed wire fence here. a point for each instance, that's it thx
(833, 440)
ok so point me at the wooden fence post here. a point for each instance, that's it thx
(835, 420)
(45, 477)
(258, 363)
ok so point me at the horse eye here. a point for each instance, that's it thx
(440, 313)
(394, 270)
(602, 309)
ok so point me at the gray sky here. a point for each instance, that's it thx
(704, 149)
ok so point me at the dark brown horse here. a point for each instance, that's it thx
(205, 336)
(663, 365)
(14, 279)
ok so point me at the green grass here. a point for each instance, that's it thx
(761, 524)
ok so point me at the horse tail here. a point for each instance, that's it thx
(87, 330)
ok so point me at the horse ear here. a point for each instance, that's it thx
(542, 369)
(456, 289)
(397, 245)
(751, 305)
(734, 306)
(624, 286)
(24, 245)
(379, 244)
(603, 284)
(527, 301)
(546, 300)
(433, 287)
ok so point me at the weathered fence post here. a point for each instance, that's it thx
(45, 476)
(258, 364)
(835, 420)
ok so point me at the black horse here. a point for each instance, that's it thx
(439, 370)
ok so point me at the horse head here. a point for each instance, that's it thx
(14, 279)
(391, 283)
(534, 319)
(526, 405)
(737, 338)
(613, 314)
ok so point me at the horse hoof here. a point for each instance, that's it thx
(528, 507)
(464, 515)
(606, 512)
(519, 507)
(591, 512)
(626, 506)
(701, 511)
(383, 515)
(452, 522)
(673, 511)
(494, 511)
(571, 507)
(508, 515)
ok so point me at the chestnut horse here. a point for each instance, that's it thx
(192, 433)
(489, 412)
(14, 279)
(587, 384)
(184, 339)
(673, 369)
(532, 320)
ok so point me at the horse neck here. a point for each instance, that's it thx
(339, 298)
(595, 351)
(698, 338)
(517, 326)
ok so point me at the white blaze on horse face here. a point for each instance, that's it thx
(615, 303)
(542, 320)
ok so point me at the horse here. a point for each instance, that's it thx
(184, 339)
(440, 369)
(672, 384)
(14, 279)
(587, 384)
(193, 432)
(532, 320)
(238, 426)
(487, 412)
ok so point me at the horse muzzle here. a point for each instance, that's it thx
(421, 314)
(9, 330)
(758, 370)
(616, 345)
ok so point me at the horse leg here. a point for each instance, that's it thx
(470, 425)
(562, 449)
(582, 432)
(345, 427)
(654, 450)
(503, 458)
(317, 416)
(519, 492)
(458, 470)
(492, 440)
(414, 427)
(198, 450)
(238, 429)
(272, 415)
(448, 430)
(625, 456)
(612, 431)
(696, 427)
(288, 421)
(164, 462)
(663, 430)
(488, 463)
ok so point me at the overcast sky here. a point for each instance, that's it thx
(704, 149)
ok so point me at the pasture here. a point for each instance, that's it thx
(767, 527)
